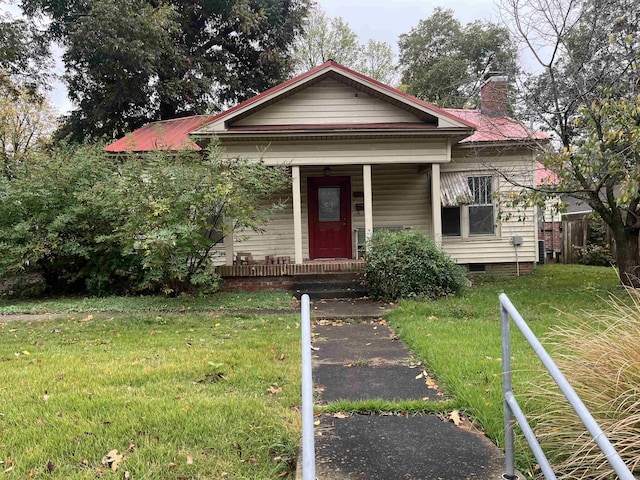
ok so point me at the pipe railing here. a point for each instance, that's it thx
(308, 441)
(512, 408)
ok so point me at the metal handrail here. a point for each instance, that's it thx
(512, 408)
(308, 441)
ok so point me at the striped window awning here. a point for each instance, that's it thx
(454, 189)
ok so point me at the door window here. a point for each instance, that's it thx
(329, 204)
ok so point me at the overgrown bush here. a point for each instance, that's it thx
(600, 357)
(595, 255)
(407, 265)
(86, 222)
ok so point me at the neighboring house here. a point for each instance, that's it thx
(557, 244)
(366, 156)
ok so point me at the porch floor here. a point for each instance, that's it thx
(290, 269)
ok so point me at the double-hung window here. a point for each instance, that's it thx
(481, 218)
(468, 208)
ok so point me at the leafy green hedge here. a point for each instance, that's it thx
(407, 265)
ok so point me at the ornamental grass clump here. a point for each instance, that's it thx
(600, 356)
(409, 265)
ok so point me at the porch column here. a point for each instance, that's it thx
(228, 244)
(368, 202)
(297, 214)
(436, 213)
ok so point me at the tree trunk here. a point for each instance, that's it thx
(628, 257)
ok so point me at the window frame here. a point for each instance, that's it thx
(465, 217)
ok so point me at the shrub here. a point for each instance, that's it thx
(599, 356)
(86, 222)
(407, 265)
(595, 255)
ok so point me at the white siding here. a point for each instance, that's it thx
(340, 152)
(497, 248)
(328, 102)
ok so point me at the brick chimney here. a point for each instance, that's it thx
(494, 101)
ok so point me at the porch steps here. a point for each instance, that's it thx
(329, 285)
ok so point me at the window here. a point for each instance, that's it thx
(481, 219)
(467, 206)
(451, 221)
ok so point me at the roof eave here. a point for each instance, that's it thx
(343, 134)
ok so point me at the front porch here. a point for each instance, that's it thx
(330, 213)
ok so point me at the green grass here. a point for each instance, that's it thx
(218, 301)
(181, 396)
(458, 338)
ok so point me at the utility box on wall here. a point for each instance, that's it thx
(516, 240)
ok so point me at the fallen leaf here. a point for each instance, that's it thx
(340, 415)
(50, 467)
(419, 376)
(127, 476)
(189, 460)
(316, 423)
(25, 352)
(131, 446)
(112, 460)
(454, 417)
(282, 357)
(87, 318)
(274, 390)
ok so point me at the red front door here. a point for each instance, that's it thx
(329, 217)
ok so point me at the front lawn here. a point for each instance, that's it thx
(459, 337)
(278, 300)
(183, 396)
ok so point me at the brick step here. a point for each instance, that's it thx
(330, 277)
(329, 285)
(331, 293)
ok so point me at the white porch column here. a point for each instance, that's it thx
(297, 214)
(228, 244)
(436, 213)
(368, 202)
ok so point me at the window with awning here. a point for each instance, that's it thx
(467, 204)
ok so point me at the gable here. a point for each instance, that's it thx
(328, 102)
(332, 98)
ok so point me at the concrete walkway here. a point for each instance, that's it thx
(364, 360)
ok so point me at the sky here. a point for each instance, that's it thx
(382, 20)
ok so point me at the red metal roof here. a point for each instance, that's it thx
(495, 129)
(163, 135)
(544, 176)
(174, 134)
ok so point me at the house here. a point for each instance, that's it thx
(366, 156)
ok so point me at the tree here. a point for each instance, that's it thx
(377, 61)
(129, 62)
(446, 63)
(327, 38)
(23, 54)
(85, 221)
(586, 95)
(26, 122)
